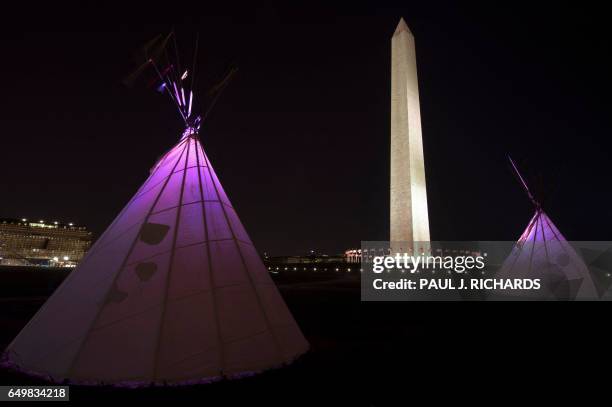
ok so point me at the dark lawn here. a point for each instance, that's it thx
(364, 353)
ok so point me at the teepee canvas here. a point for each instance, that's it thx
(542, 252)
(173, 292)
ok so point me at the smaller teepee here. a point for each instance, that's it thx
(542, 252)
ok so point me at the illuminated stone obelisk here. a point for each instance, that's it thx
(409, 217)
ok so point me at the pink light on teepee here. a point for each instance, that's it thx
(174, 291)
(543, 252)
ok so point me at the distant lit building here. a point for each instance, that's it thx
(312, 259)
(309, 262)
(52, 244)
(357, 255)
(352, 256)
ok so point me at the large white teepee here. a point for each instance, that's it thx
(542, 252)
(172, 292)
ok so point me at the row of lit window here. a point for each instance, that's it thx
(306, 269)
(47, 253)
(50, 245)
(42, 233)
(43, 222)
(64, 236)
(53, 241)
(28, 238)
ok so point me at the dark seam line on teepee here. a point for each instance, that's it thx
(162, 319)
(517, 247)
(176, 206)
(185, 247)
(138, 194)
(119, 235)
(180, 298)
(553, 230)
(163, 158)
(211, 277)
(152, 187)
(544, 243)
(162, 211)
(189, 167)
(142, 190)
(534, 243)
(527, 231)
(533, 224)
(157, 304)
(186, 358)
(587, 277)
(248, 274)
(571, 259)
(523, 237)
(214, 240)
(144, 311)
(191, 203)
(119, 270)
(226, 342)
(561, 241)
(90, 252)
(521, 248)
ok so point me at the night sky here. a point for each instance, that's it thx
(300, 138)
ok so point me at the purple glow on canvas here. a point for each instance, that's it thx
(184, 76)
(183, 96)
(190, 102)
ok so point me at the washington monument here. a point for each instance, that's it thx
(409, 218)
